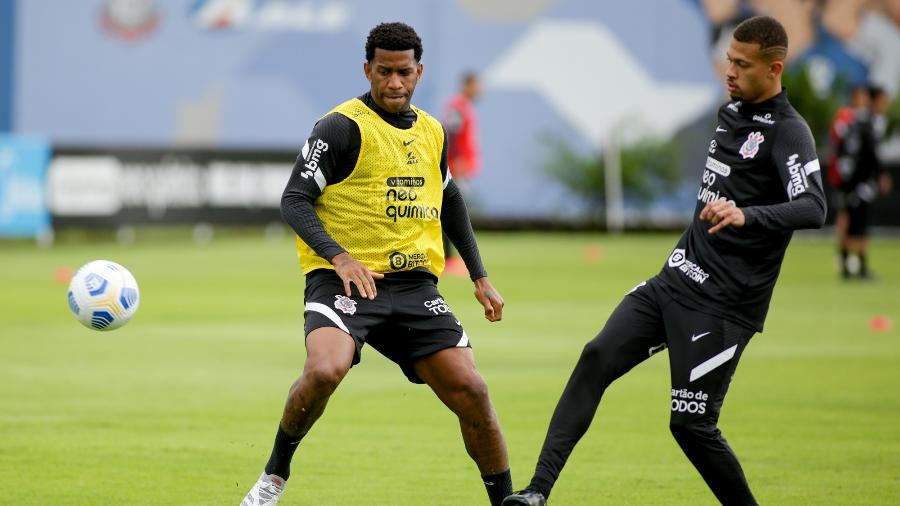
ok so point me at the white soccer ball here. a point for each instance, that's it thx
(103, 295)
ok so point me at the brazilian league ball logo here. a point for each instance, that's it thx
(398, 260)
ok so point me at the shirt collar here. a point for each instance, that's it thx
(403, 119)
(772, 104)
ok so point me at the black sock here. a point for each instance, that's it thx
(282, 452)
(844, 270)
(498, 486)
(863, 267)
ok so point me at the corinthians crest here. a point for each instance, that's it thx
(345, 304)
(751, 145)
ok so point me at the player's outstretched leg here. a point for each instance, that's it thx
(329, 355)
(451, 374)
(703, 354)
(703, 444)
(632, 334)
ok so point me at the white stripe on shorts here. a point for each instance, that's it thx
(701, 370)
(328, 313)
(463, 341)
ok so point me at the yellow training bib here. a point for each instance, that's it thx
(387, 212)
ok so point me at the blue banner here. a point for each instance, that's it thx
(23, 174)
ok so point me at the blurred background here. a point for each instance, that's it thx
(161, 133)
(120, 113)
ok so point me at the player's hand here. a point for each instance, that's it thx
(351, 271)
(490, 298)
(722, 213)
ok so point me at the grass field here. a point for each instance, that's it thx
(180, 406)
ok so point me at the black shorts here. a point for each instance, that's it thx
(857, 210)
(858, 219)
(704, 349)
(408, 319)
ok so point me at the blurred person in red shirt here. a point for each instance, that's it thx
(463, 150)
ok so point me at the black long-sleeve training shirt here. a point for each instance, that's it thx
(343, 136)
(762, 158)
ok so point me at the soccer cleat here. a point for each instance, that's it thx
(525, 498)
(266, 492)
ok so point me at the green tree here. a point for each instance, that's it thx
(818, 111)
(649, 170)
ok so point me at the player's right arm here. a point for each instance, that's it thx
(328, 157)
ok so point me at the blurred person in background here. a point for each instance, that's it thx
(857, 176)
(844, 123)
(369, 198)
(762, 181)
(464, 153)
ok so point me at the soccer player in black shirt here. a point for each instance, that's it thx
(369, 198)
(761, 181)
(857, 174)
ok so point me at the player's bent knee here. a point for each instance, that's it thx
(472, 387)
(476, 389)
(324, 378)
(594, 352)
(471, 396)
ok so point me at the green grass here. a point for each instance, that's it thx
(180, 406)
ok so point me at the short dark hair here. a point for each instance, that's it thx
(875, 91)
(393, 37)
(767, 32)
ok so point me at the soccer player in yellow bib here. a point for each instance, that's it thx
(369, 197)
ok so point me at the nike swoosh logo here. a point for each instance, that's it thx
(698, 336)
(407, 143)
(655, 349)
(720, 129)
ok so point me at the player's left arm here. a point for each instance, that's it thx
(456, 224)
(795, 159)
(490, 299)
